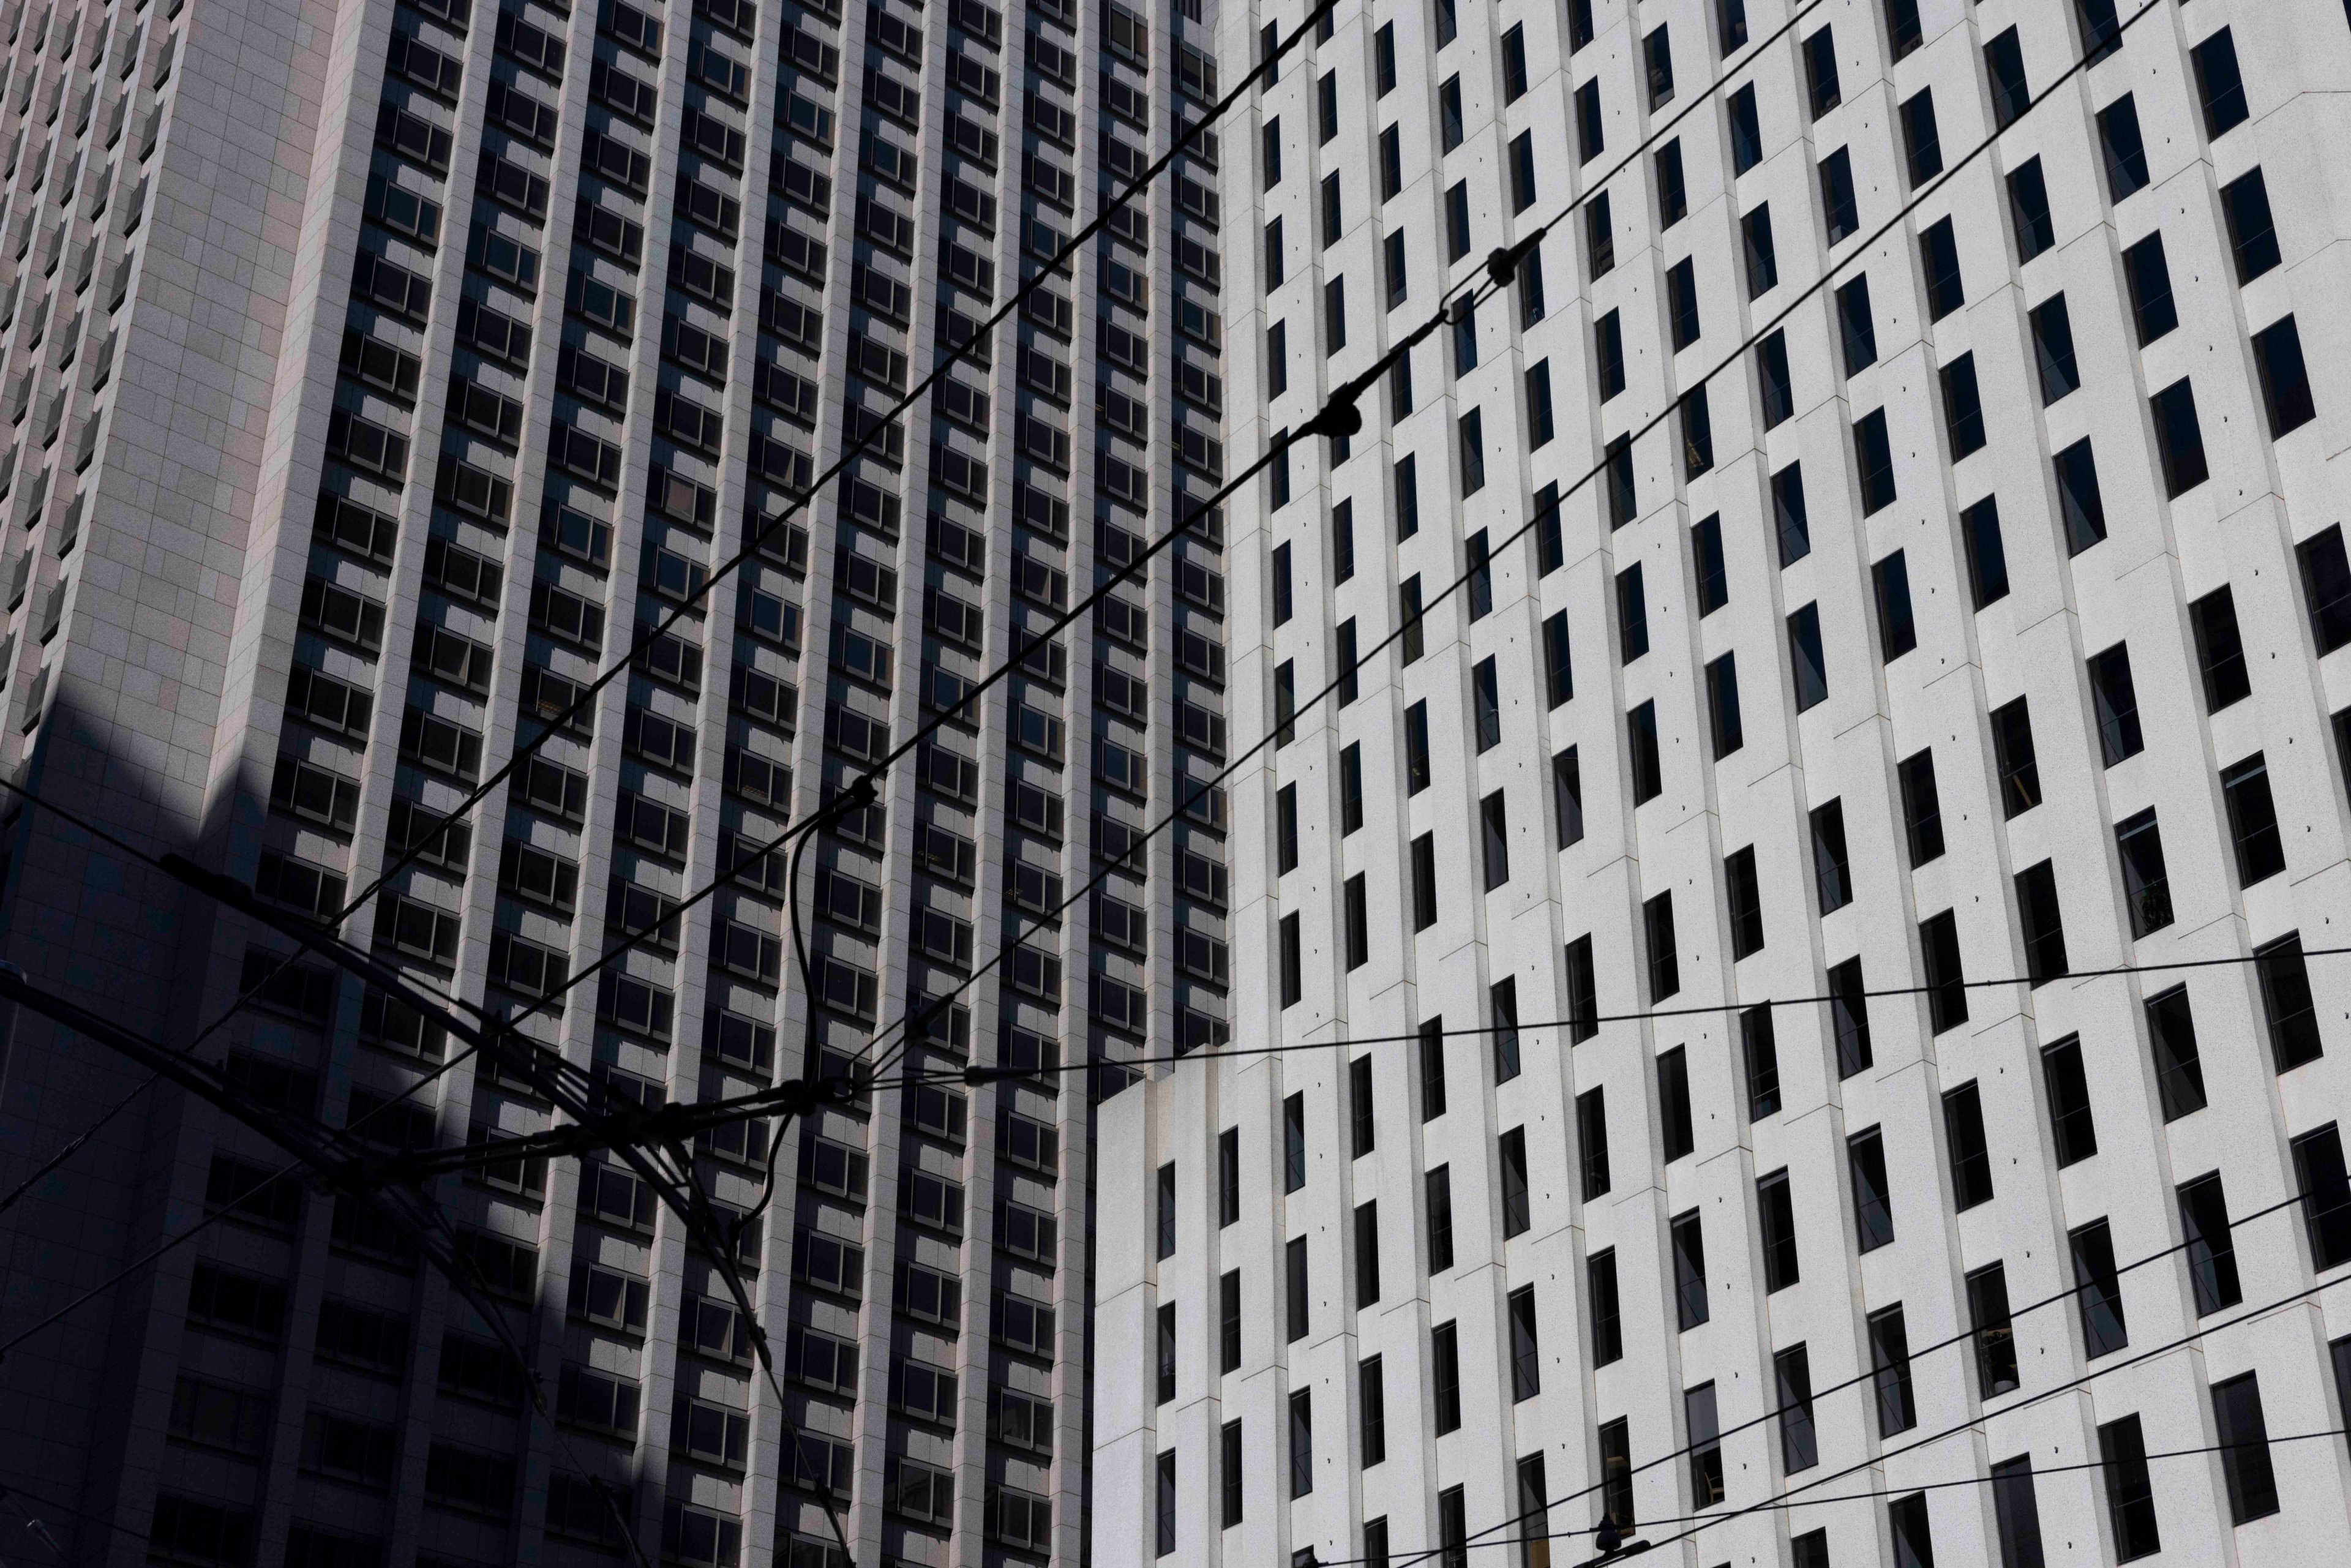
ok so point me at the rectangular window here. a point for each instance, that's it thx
(1372, 1400)
(1872, 452)
(1790, 518)
(1293, 981)
(1963, 1141)
(2326, 588)
(1987, 555)
(1518, 1210)
(2147, 889)
(2178, 438)
(1962, 406)
(1839, 203)
(1228, 1177)
(2072, 1128)
(1873, 1201)
(1713, 571)
(1673, 1109)
(1599, 236)
(2013, 759)
(2028, 209)
(2253, 233)
(2053, 350)
(1705, 1445)
(1567, 798)
(1664, 958)
(2130, 1490)
(1591, 1140)
(1759, 1054)
(1228, 1322)
(1166, 1352)
(1691, 1305)
(2220, 650)
(1232, 1471)
(1849, 1019)
(1423, 881)
(1800, 1448)
(1431, 1069)
(1889, 1354)
(1905, 1520)
(1922, 144)
(2121, 149)
(1832, 872)
(1777, 1212)
(1502, 1005)
(1991, 1331)
(2219, 85)
(1922, 807)
(1293, 1143)
(1947, 991)
(1681, 302)
(1526, 1348)
(2178, 1065)
(1774, 382)
(1724, 705)
(2149, 276)
(2244, 1449)
(1486, 704)
(2212, 1247)
(2326, 1192)
(1821, 72)
(1351, 789)
(1417, 769)
(1167, 1516)
(1356, 913)
(1590, 131)
(2285, 380)
(1762, 255)
(1539, 424)
(1807, 662)
(2252, 819)
(2099, 1290)
(1166, 1211)
(2004, 65)
(1746, 130)
(1445, 1361)
(1301, 1442)
(1364, 1135)
(1641, 732)
(1673, 189)
(1938, 255)
(2115, 702)
(1632, 615)
(1607, 1323)
(1295, 1301)
(1856, 329)
(1582, 992)
(1744, 891)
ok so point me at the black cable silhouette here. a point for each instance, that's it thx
(1412, 620)
(800, 500)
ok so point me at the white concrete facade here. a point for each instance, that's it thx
(2261, 520)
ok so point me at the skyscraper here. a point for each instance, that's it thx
(381, 373)
(1793, 889)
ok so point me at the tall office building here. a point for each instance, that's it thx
(1712, 910)
(378, 373)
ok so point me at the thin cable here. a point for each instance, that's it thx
(1828, 274)
(73, 1144)
(799, 501)
(1342, 400)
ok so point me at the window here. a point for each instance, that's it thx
(1939, 253)
(1681, 302)
(1277, 358)
(1798, 1440)
(1777, 1212)
(1946, 994)
(1167, 1516)
(1832, 872)
(1673, 1106)
(2098, 1290)
(1523, 171)
(1494, 837)
(1723, 706)
(1658, 932)
(1632, 615)
(1592, 1139)
(1690, 1304)
(1540, 426)
(1285, 818)
(1821, 72)
(1292, 980)
(1672, 190)
(2121, 149)
(1607, 1323)
(1391, 163)
(2071, 1128)
(1567, 798)
(1698, 431)
(1445, 1359)
(2053, 349)
(1922, 146)
(1358, 924)
(1838, 202)
(1471, 433)
(1889, 1354)
(1582, 992)
(1417, 770)
(1962, 407)
(1872, 1202)
(1849, 1019)
(1166, 1211)
(2012, 757)
(2115, 702)
(2178, 438)
(2028, 209)
(1903, 30)
(1371, 1401)
(1384, 58)
(1746, 130)
(1922, 811)
(1228, 1322)
(1762, 255)
(1293, 1143)
(1657, 56)
(1269, 147)
(1860, 337)
(2148, 276)
(1791, 518)
(1456, 221)
(2146, 891)
(1295, 1301)
(1526, 1348)
(2326, 588)
(1351, 789)
(1618, 456)
(2285, 381)
(2219, 85)
(2130, 1490)
(2245, 1448)
(1166, 1352)
(1905, 1520)
(2004, 64)
(2220, 650)
(1230, 1473)
(1590, 138)
(2253, 236)
(1514, 64)
(1994, 1331)
(1808, 664)
(2042, 921)
(1758, 1052)
(2211, 1250)
(1433, 1068)
(1423, 881)
(1963, 1139)
(2252, 819)
(2286, 1005)
(1301, 1442)
(2326, 1192)
(1713, 571)
(1599, 236)
(1705, 1445)
(2179, 1067)
(1641, 727)
(1228, 1177)
(1773, 379)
